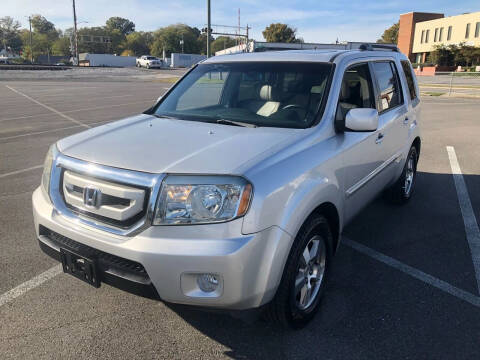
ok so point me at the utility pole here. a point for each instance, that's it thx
(31, 50)
(208, 28)
(76, 33)
(181, 42)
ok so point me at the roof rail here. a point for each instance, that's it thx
(372, 47)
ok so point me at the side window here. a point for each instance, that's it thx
(407, 69)
(356, 90)
(388, 86)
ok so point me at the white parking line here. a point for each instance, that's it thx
(51, 130)
(21, 171)
(469, 220)
(30, 284)
(420, 275)
(48, 107)
(84, 109)
(64, 97)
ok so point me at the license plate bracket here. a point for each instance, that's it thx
(81, 267)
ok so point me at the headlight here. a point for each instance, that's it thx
(202, 199)
(47, 169)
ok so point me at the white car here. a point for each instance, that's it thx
(148, 62)
(232, 191)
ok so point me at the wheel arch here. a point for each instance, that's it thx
(330, 212)
(418, 144)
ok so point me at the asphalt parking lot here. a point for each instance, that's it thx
(403, 283)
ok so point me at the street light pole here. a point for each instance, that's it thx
(208, 28)
(76, 33)
(31, 50)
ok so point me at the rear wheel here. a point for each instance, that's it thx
(303, 282)
(402, 190)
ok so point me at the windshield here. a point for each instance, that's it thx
(254, 93)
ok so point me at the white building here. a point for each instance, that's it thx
(108, 60)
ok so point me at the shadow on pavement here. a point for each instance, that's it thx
(370, 310)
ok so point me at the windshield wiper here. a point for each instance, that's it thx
(236, 123)
(165, 117)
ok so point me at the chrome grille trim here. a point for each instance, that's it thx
(116, 201)
(148, 181)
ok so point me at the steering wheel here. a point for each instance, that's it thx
(293, 106)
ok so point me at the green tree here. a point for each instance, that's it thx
(125, 26)
(169, 39)
(138, 43)
(41, 25)
(43, 37)
(41, 44)
(222, 42)
(202, 43)
(10, 34)
(61, 46)
(444, 55)
(390, 35)
(280, 33)
(89, 40)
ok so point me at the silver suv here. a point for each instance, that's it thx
(232, 191)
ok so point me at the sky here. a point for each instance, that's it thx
(315, 20)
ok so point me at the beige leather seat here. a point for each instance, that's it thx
(266, 104)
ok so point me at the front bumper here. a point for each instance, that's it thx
(249, 266)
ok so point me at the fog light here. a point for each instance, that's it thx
(207, 282)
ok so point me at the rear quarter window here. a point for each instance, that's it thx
(407, 70)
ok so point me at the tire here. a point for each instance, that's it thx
(401, 192)
(287, 307)
(148, 66)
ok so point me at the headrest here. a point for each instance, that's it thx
(267, 93)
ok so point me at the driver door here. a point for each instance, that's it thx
(364, 152)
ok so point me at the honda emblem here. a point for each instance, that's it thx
(92, 197)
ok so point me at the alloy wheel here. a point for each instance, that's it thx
(310, 273)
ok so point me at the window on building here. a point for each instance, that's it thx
(440, 34)
(390, 93)
(422, 39)
(435, 37)
(427, 35)
(467, 31)
(477, 29)
(407, 69)
(449, 33)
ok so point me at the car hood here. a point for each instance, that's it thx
(149, 144)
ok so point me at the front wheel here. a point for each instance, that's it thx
(303, 282)
(402, 190)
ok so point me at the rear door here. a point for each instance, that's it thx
(393, 115)
(413, 101)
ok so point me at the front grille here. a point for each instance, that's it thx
(111, 206)
(106, 261)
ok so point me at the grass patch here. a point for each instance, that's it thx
(434, 93)
(170, 80)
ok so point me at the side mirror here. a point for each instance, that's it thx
(362, 119)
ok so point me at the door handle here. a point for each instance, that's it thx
(379, 138)
(405, 121)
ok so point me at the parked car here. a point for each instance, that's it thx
(232, 191)
(148, 62)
